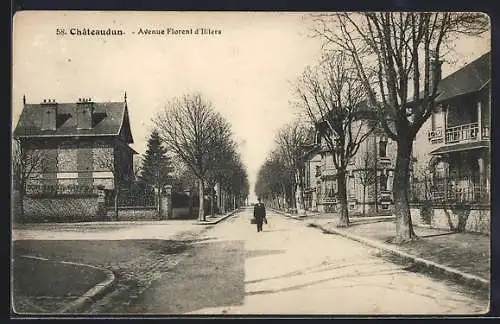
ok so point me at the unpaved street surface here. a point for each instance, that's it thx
(230, 268)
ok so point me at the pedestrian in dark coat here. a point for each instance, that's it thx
(259, 213)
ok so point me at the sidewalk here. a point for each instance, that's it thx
(463, 256)
(217, 218)
(119, 224)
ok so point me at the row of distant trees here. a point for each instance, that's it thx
(192, 147)
(382, 63)
(280, 178)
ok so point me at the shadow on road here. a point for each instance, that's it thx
(376, 273)
(213, 275)
(258, 253)
(315, 269)
(275, 230)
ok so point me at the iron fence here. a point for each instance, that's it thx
(453, 190)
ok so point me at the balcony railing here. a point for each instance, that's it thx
(457, 134)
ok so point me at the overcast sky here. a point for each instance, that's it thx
(247, 71)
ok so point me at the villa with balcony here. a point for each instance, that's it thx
(459, 135)
(454, 144)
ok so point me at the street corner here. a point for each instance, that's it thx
(42, 286)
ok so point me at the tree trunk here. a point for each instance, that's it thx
(448, 217)
(401, 183)
(342, 194)
(364, 199)
(191, 203)
(201, 211)
(376, 187)
(212, 207)
(116, 203)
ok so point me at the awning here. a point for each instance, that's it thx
(461, 147)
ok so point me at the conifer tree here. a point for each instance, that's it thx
(157, 166)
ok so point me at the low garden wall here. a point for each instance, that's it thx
(62, 209)
(474, 218)
(133, 213)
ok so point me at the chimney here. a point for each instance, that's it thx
(49, 114)
(84, 113)
(435, 71)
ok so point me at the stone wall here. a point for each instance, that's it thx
(133, 213)
(478, 219)
(61, 209)
(183, 213)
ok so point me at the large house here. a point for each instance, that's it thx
(369, 173)
(453, 146)
(79, 144)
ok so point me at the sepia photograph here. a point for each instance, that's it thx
(250, 163)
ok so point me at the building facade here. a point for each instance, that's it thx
(79, 145)
(369, 174)
(312, 163)
(452, 149)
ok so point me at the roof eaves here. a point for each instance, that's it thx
(63, 135)
(462, 93)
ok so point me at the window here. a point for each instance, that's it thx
(438, 118)
(383, 181)
(382, 149)
(49, 119)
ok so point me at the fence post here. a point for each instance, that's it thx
(166, 203)
(101, 202)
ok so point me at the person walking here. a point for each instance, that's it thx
(259, 213)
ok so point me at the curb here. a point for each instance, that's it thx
(298, 217)
(218, 220)
(452, 273)
(91, 294)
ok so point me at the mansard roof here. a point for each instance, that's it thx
(110, 119)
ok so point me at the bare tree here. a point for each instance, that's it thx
(334, 100)
(290, 140)
(195, 132)
(27, 162)
(405, 51)
(367, 174)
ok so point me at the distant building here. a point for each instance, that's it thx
(453, 146)
(82, 143)
(312, 164)
(369, 173)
